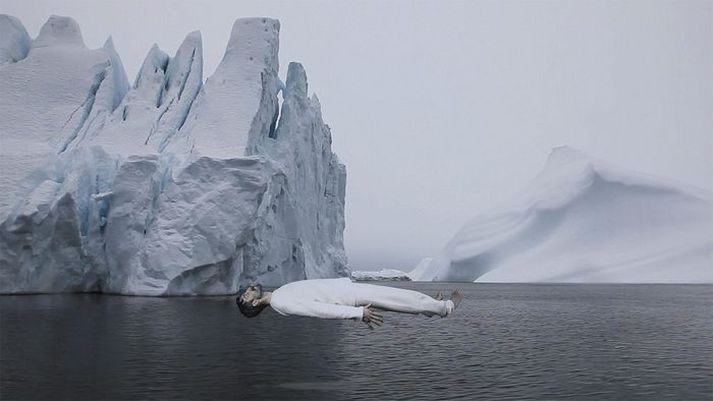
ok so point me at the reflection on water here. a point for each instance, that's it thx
(507, 341)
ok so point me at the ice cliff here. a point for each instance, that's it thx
(583, 220)
(168, 186)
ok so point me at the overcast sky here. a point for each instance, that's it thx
(442, 109)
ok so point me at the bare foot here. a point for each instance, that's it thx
(439, 296)
(456, 297)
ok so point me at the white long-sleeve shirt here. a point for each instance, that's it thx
(342, 299)
(323, 298)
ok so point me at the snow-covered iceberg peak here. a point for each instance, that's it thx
(583, 220)
(59, 31)
(14, 40)
(157, 105)
(118, 81)
(296, 83)
(253, 46)
(566, 174)
(569, 172)
(150, 76)
(240, 98)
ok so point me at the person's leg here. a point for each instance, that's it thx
(400, 300)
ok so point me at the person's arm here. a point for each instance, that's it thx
(324, 310)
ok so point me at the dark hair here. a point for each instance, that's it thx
(247, 308)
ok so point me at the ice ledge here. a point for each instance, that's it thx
(381, 275)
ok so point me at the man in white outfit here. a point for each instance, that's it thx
(340, 298)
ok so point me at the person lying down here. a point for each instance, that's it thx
(341, 298)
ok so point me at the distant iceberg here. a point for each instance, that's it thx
(167, 186)
(381, 275)
(583, 220)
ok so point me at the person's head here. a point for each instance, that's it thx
(248, 301)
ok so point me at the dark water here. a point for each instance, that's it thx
(506, 341)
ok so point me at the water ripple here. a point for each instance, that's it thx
(506, 342)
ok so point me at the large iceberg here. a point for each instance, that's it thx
(168, 186)
(583, 220)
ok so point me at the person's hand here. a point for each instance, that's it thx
(371, 316)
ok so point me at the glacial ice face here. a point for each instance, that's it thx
(585, 221)
(56, 90)
(302, 141)
(170, 186)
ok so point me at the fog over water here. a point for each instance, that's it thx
(443, 109)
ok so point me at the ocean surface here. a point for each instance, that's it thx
(507, 341)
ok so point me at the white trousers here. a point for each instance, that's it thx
(400, 300)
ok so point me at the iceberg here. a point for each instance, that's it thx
(14, 40)
(583, 220)
(381, 275)
(167, 186)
